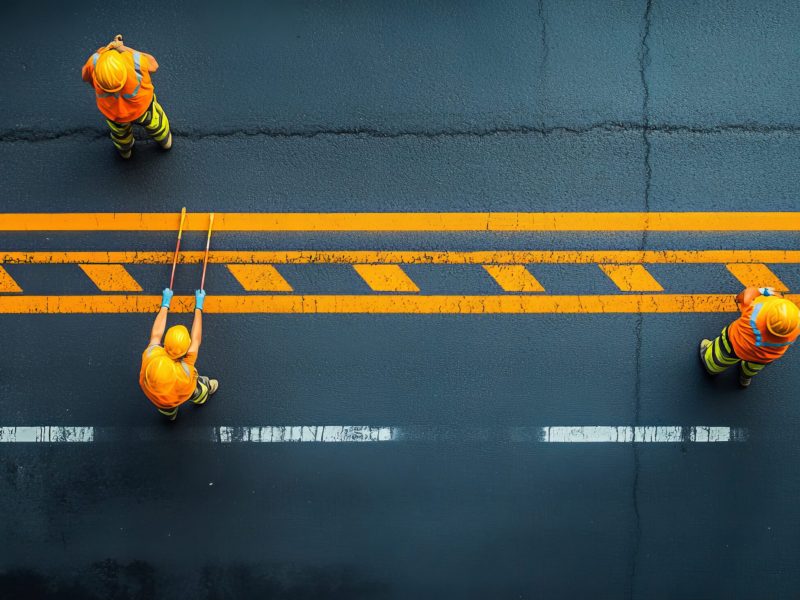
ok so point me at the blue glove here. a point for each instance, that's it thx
(199, 298)
(166, 297)
(766, 291)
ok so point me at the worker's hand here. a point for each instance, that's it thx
(117, 43)
(199, 299)
(166, 297)
(767, 291)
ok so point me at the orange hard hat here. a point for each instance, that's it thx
(160, 374)
(782, 317)
(177, 341)
(110, 72)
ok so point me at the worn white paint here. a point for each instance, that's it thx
(46, 434)
(313, 433)
(650, 434)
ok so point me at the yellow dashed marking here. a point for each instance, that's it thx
(386, 278)
(7, 284)
(514, 278)
(632, 278)
(757, 275)
(111, 278)
(260, 278)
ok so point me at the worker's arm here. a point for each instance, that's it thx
(747, 295)
(160, 324)
(119, 46)
(197, 324)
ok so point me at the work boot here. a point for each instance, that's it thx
(704, 344)
(126, 154)
(167, 143)
(744, 380)
(213, 386)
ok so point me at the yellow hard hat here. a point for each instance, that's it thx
(110, 72)
(177, 341)
(782, 317)
(160, 374)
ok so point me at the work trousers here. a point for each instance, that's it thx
(154, 120)
(199, 396)
(720, 356)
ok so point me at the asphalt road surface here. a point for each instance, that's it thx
(406, 402)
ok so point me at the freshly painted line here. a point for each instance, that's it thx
(508, 221)
(373, 434)
(386, 278)
(756, 275)
(260, 278)
(483, 257)
(376, 304)
(632, 278)
(514, 278)
(111, 278)
(46, 434)
(7, 283)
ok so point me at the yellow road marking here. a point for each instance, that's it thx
(260, 278)
(111, 278)
(370, 304)
(386, 278)
(409, 257)
(446, 221)
(632, 278)
(757, 275)
(7, 283)
(514, 278)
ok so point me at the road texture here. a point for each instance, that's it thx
(405, 401)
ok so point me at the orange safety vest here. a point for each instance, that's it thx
(750, 338)
(185, 379)
(133, 100)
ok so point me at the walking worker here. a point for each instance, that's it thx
(168, 376)
(124, 94)
(769, 324)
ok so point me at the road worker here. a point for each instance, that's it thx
(769, 324)
(168, 376)
(124, 94)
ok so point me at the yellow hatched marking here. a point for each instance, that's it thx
(7, 284)
(757, 275)
(386, 278)
(514, 278)
(632, 278)
(260, 278)
(111, 278)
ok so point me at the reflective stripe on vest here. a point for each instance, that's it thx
(757, 331)
(137, 57)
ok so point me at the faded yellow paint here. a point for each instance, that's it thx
(410, 257)
(757, 275)
(7, 283)
(370, 304)
(260, 278)
(386, 278)
(514, 278)
(632, 278)
(111, 278)
(506, 221)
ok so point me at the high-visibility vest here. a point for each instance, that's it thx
(131, 102)
(750, 337)
(181, 390)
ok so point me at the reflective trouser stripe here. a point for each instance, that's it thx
(200, 394)
(719, 356)
(751, 369)
(154, 120)
(169, 413)
(121, 135)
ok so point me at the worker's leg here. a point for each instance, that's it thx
(205, 388)
(172, 413)
(122, 136)
(156, 123)
(718, 355)
(748, 371)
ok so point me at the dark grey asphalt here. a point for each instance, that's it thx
(404, 106)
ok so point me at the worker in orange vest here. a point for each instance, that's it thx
(124, 94)
(769, 324)
(168, 376)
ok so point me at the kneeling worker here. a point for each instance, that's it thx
(766, 329)
(168, 376)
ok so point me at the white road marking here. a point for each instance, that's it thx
(366, 433)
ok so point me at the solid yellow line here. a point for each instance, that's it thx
(371, 304)
(446, 221)
(111, 278)
(386, 278)
(632, 278)
(409, 257)
(757, 275)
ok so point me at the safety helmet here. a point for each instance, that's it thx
(110, 72)
(177, 341)
(782, 317)
(160, 374)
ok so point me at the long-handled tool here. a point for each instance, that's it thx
(208, 245)
(177, 247)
